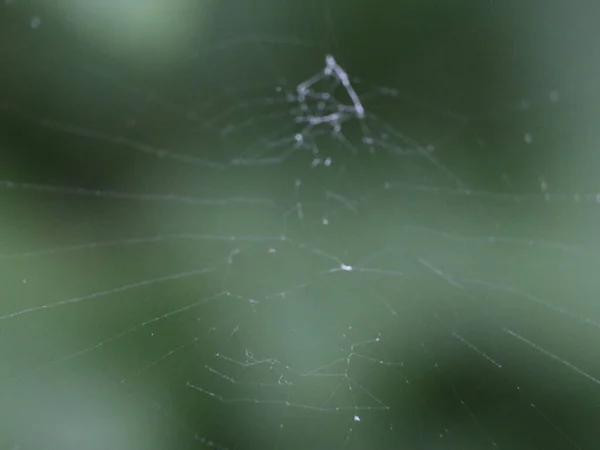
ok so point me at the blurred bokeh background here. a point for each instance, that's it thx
(176, 237)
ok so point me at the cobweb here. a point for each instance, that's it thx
(271, 250)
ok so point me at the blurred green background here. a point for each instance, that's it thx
(135, 313)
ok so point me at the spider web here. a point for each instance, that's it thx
(265, 250)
